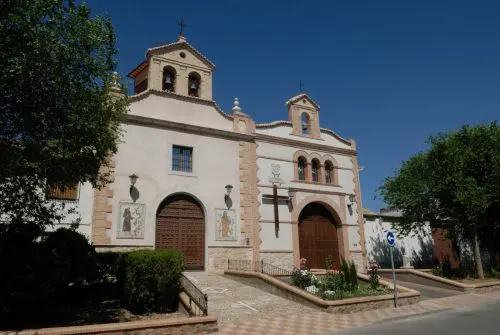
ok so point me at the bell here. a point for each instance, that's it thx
(193, 85)
(168, 80)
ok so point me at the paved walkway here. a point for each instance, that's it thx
(234, 301)
(310, 321)
(429, 292)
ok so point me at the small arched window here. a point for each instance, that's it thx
(301, 168)
(194, 84)
(168, 81)
(328, 172)
(315, 170)
(305, 124)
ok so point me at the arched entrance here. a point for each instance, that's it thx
(180, 224)
(318, 236)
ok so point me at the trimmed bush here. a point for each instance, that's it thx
(150, 280)
(108, 264)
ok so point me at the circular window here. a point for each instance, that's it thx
(183, 55)
(304, 101)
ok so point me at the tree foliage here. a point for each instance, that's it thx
(454, 185)
(58, 125)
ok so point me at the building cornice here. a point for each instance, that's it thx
(187, 128)
(279, 123)
(304, 145)
(196, 100)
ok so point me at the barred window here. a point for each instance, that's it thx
(56, 193)
(182, 159)
(315, 170)
(328, 172)
(301, 166)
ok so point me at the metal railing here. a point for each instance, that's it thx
(198, 301)
(259, 266)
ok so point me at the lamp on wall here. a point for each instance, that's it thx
(350, 199)
(134, 192)
(133, 178)
(227, 198)
(291, 193)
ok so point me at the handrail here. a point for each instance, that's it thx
(258, 266)
(196, 297)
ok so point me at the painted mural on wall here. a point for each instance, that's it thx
(225, 225)
(131, 220)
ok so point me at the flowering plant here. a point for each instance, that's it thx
(373, 273)
(303, 278)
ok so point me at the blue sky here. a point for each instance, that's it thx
(387, 73)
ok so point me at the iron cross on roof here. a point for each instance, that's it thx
(182, 25)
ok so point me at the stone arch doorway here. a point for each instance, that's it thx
(318, 237)
(180, 224)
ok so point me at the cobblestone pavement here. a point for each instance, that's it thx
(316, 322)
(234, 301)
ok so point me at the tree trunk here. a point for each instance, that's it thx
(477, 256)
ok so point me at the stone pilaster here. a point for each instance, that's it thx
(359, 211)
(101, 222)
(249, 200)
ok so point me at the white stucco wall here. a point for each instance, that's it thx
(181, 111)
(269, 154)
(147, 152)
(376, 229)
(82, 210)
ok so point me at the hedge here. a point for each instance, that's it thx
(150, 280)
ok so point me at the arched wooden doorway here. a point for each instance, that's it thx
(318, 236)
(180, 224)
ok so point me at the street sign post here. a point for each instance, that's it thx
(391, 240)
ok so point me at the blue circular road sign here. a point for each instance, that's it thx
(391, 238)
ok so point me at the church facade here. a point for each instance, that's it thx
(219, 186)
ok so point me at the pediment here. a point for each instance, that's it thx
(182, 52)
(303, 100)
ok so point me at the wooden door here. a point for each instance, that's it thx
(180, 224)
(318, 237)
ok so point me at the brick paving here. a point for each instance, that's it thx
(234, 301)
(318, 322)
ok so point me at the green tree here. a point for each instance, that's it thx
(455, 185)
(58, 125)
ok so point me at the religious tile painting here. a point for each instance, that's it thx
(131, 220)
(225, 225)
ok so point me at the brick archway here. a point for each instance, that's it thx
(338, 213)
(318, 238)
(180, 224)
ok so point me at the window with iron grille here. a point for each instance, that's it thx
(301, 165)
(328, 172)
(56, 193)
(315, 170)
(182, 159)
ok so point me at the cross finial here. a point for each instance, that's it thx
(182, 25)
(301, 86)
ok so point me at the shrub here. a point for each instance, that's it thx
(348, 270)
(67, 262)
(150, 280)
(108, 265)
(353, 276)
(329, 263)
(333, 282)
(373, 273)
(302, 278)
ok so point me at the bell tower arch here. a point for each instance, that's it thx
(303, 112)
(176, 68)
